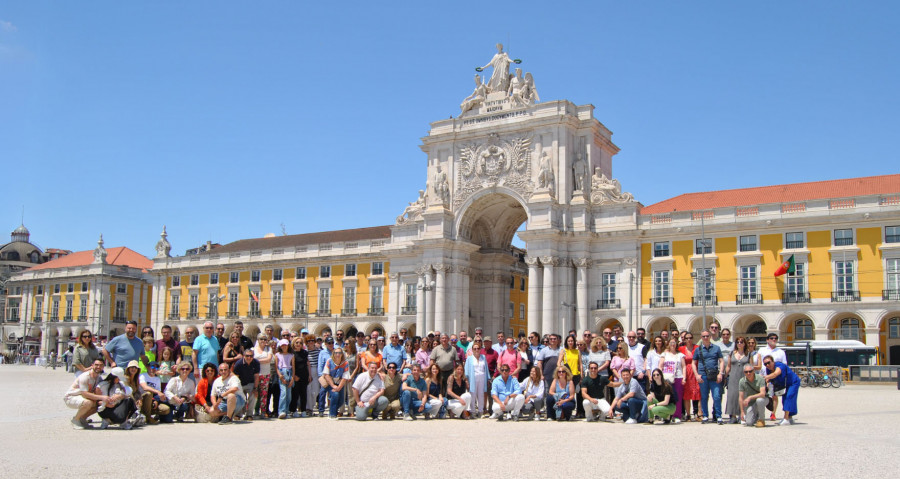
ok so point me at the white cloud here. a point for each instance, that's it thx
(7, 26)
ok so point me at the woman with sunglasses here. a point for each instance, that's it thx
(734, 370)
(561, 400)
(755, 359)
(180, 392)
(783, 379)
(336, 374)
(85, 353)
(660, 398)
(477, 372)
(672, 364)
(297, 404)
(204, 410)
(621, 361)
(691, 387)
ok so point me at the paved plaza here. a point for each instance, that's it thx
(850, 431)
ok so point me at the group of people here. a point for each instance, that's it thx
(211, 377)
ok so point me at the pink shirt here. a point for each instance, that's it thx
(512, 359)
(618, 364)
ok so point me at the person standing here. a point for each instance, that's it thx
(85, 353)
(734, 370)
(445, 356)
(709, 367)
(205, 347)
(125, 348)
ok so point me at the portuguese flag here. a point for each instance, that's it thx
(786, 267)
(256, 298)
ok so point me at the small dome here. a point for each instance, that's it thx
(21, 230)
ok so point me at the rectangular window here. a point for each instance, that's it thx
(843, 237)
(84, 287)
(521, 311)
(70, 288)
(234, 277)
(749, 283)
(195, 279)
(661, 284)
(349, 298)
(255, 275)
(233, 303)
(120, 311)
(121, 288)
(213, 303)
(703, 246)
(894, 328)
(38, 308)
(193, 305)
(254, 304)
(608, 287)
(213, 278)
(83, 310)
(176, 281)
(350, 270)
(300, 273)
(325, 271)
(69, 305)
(893, 276)
(512, 282)
(277, 274)
(410, 296)
(54, 312)
(276, 302)
(660, 249)
(377, 293)
(56, 289)
(522, 283)
(300, 300)
(324, 300)
(804, 330)
(377, 268)
(843, 277)
(748, 243)
(892, 234)
(704, 285)
(512, 310)
(174, 308)
(793, 240)
(40, 289)
(796, 281)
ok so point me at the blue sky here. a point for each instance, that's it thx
(223, 120)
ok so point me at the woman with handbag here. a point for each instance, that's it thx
(786, 384)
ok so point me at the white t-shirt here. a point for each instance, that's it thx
(82, 383)
(362, 380)
(637, 354)
(153, 382)
(671, 366)
(220, 386)
(777, 354)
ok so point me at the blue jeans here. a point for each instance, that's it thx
(284, 396)
(410, 403)
(564, 411)
(320, 400)
(178, 412)
(336, 400)
(633, 408)
(711, 386)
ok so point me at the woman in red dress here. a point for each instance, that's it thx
(691, 386)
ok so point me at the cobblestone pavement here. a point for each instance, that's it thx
(851, 431)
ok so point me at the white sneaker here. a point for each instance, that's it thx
(785, 422)
(631, 421)
(676, 421)
(537, 417)
(127, 425)
(407, 418)
(282, 416)
(104, 424)
(295, 414)
(495, 416)
(76, 424)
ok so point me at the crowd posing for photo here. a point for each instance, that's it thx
(611, 376)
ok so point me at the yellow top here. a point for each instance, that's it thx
(572, 359)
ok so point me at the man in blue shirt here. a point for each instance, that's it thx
(507, 395)
(125, 348)
(709, 366)
(206, 347)
(324, 356)
(414, 394)
(393, 353)
(630, 400)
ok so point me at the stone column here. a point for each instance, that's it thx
(581, 293)
(464, 309)
(534, 294)
(440, 295)
(549, 314)
(420, 302)
(393, 303)
(429, 300)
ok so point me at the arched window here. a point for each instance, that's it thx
(34, 257)
(849, 329)
(803, 330)
(757, 327)
(894, 328)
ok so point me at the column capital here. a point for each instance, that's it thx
(550, 260)
(442, 268)
(583, 262)
(532, 261)
(425, 268)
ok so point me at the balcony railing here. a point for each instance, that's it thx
(793, 244)
(193, 315)
(119, 319)
(348, 312)
(664, 302)
(844, 296)
(795, 298)
(275, 313)
(82, 317)
(608, 304)
(67, 318)
(254, 314)
(890, 295)
(36, 319)
(376, 311)
(754, 298)
(173, 316)
(231, 315)
(323, 313)
(212, 315)
(299, 313)
(13, 319)
(408, 310)
(710, 300)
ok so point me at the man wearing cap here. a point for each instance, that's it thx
(83, 397)
(368, 390)
(507, 395)
(394, 353)
(360, 341)
(227, 395)
(152, 394)
(491, 357)
(324, 356)
(205, 347)
(125, 347)
(247, 370)
(445, 356)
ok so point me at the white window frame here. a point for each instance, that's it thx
(255, 275)
(300, 272)
(755, 243)
(276, 301)
(193, 305)
(658, 249)
(377, 268)
(349, 297)
(662, 283)
(234, 277)
(350, 269)
(843, 279)
(892, 234)
(300, 301)
(213, 278)
(277, 274)
(176, 281)
(835, 239)
(748, 278)
(788, 241)
(376, 293)
(710, 286)
(195, 279)
(324, 300)
(325, 271)
(608, 287)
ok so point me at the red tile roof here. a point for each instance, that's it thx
(795, 192)
(118, 256)
(357, 234)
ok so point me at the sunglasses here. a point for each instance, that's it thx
(747, 372)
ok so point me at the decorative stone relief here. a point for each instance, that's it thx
(100, 252)
(546, 178)
(163, 248)
(630, 261)
(496, 162)
(414, 210)
(607, 191)
(441, 186)
(550, 260)
(583, 262)
(393, 276)
(423, 269)
(532, 261)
